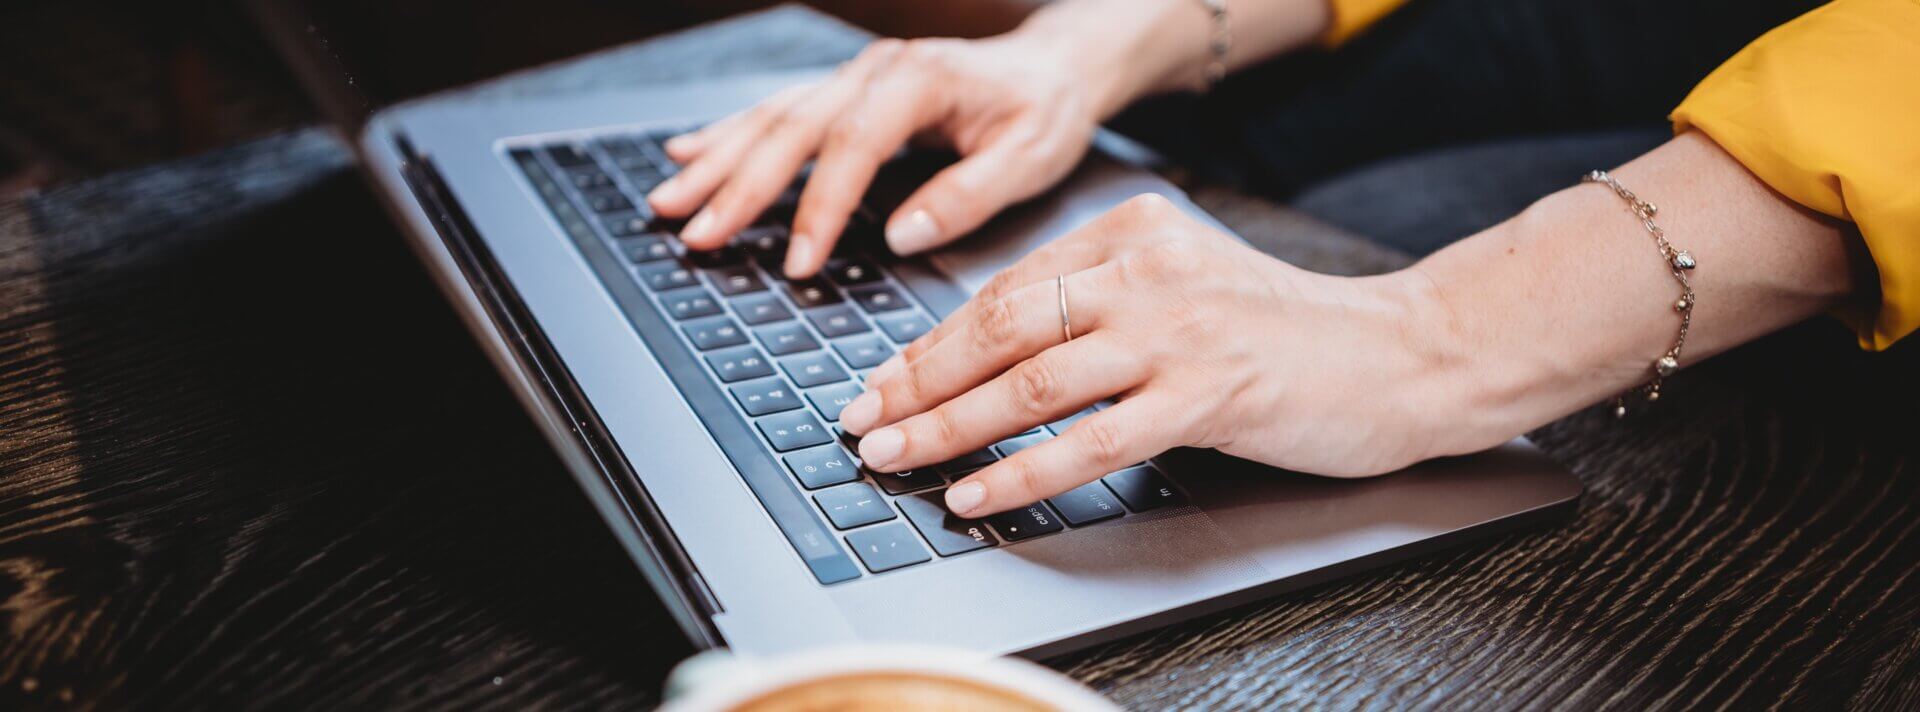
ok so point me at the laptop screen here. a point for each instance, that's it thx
(356, 56)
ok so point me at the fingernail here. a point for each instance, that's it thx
(677, 144)
(964, 497)
(886, 369)
(799, 255)
(696, 229)
(917, 233)
(882, 447)
(862, 413)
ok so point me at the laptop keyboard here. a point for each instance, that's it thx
(788, 355)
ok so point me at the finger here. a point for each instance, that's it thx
(1000, 334)
(769, 167)
(680, 195)
(1107, 441)
(687, 147)
(1011, 167)
(899, 101)
(1051, 385)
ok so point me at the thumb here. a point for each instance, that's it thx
(966, 194)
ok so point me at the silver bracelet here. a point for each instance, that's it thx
(1219, 44)
(1679, 263)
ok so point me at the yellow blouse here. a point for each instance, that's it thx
(1826, 110)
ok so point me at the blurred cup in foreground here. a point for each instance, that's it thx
(905, 678)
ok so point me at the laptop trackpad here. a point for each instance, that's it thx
(1099, 184)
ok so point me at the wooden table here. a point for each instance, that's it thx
(249, 459)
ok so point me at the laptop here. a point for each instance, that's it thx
(694, 398)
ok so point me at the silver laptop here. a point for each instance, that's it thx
(694, 399)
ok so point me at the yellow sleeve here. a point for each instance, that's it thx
(1351, 17)
(1826, 110)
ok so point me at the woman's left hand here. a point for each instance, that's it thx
(1204, 342)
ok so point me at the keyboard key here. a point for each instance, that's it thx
(727, 256)
(626, 225)
(901, 482)
(608, 201)
(948, 534)
(1143, 488)
(830, 399)
(642, 174)
(1026, 522)
(1061, 425)
(1087, 504)
(836, 321)
(767, 395)
(788, 338)
(904, 328)
(851, 271)
(663, 276)
(863, 351)
(889, 547)
(812, 293)
(792, 431)
(739, 364)
(620, 147)
(757, 309)
(763, 240)
(1010, 446)
(569, 155)
(738, 279)
(851, 441)
(878, 300)
(813, 369)
(691, 303)
(590, 178)
(714, 333)
(960, 466)
(822, 466)
(854, 505)
(647, 248)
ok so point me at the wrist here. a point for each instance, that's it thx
(1461, 386)
(1120, 51)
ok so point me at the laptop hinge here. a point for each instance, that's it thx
(673, 574)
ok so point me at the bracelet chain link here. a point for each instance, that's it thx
(1219, 43)
(1679, 263)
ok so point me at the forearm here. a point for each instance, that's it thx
(1569, 303)
(1135, 48)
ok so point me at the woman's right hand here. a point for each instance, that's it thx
(1019, 109)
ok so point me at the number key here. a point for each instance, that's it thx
(767, 395)
(662, 276)
(822, 466)
(739, 364)
(714, 333)
(792, 431)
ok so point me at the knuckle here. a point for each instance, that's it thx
(998, 324)
(919, 51)
(999, 285)
(1173, 261)
(1036, 384)
(1102, 441)
(941, 429)
(844, 133)
(1028, 484)
(1147, 206)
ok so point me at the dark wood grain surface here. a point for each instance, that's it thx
(249, 459)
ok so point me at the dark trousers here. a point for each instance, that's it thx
(1452, 115)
